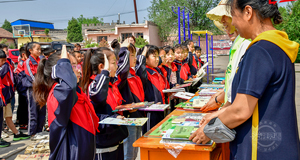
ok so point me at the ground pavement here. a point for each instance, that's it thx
(220, 63)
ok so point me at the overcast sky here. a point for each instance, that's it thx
(60, 11)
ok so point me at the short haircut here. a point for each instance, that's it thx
(185, 49)
(177, 46)
(197, 48)
(4, 46)
(2, 54)
(77, 52)
(151, 50)
(168, 49)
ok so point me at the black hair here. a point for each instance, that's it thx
(197, 48)
(0, 46)
(262, 7)
(177, 46)
(151, 50)
(185, 48)
(2, 54)
(187, 42)
(4, 46)
(116, 46)
(77, 52)
(48, 51)
(90, 65)
(44, 82)
(22, 50)
(168, 48)
(29, 46)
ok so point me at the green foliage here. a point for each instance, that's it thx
(291, 22)
(48, 40)
(47, 31)
(88, 43)
(140, 42)
(160, 12)
(81, 20)
(74, 31)
(7, 26)
(11, 46)
(3, 41)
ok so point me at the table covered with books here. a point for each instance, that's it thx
(168, 139)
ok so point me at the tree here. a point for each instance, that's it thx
(140, 42)
(81, 20)
(7, 26)
(291, 22)
(46, 31)
(160, 12)
(74, 31)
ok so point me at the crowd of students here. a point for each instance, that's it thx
(79, 90)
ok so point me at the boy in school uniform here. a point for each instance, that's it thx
(197, 55)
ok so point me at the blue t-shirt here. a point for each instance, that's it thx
(268, 74)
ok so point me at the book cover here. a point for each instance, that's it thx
(125, 121)
(128, 107)
(155, 107)
(182, 132)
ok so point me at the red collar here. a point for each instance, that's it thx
(93, 76)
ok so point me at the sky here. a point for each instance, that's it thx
(60, 11)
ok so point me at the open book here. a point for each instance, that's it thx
(132, 106)
(125, 121)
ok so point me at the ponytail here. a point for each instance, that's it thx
(87, 71)
(43, 81)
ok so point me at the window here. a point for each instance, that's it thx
(99, 38)
(125, 35)
(15, 53)
(139, 35)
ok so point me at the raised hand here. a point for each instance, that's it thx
(106, 63)
(145, 51)
(64, 53)
(126, 43)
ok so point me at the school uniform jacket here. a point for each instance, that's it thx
(192, 64)
(71, 117)
(30, 68)
(7, 90)
(199, 62)
(20, 74)
(182, 72)
(151, 81)
(129, 84)
(105, 97)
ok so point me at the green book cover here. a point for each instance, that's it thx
(182, 132)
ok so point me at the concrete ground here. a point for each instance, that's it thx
(9, 153)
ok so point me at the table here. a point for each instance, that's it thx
(152, 149)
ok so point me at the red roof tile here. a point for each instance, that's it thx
(5, 34)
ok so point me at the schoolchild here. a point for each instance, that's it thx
(71, 117)
(163, 72)
(105, 96)
(131, 89)
(148, 58)
(182, 73)
(197, 55)
(36, 119)
(22, 112)
(170, 67)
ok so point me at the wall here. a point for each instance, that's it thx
(110, 37)
(9, 41)
(24, 40)
(153, 36)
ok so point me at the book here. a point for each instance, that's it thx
(184, 95)
(199, 97)
(125, 121)
(189, 117)
(184, 105)
(155, 107)
(212, 86)
(159, 131)
(173, 90)
(208, 92)
(182, 132)
(132, 106)
(199, 103)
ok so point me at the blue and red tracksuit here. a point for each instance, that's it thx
(164, 83)
(71, 117)
(192, 64)
(199, 62)
(182, 71)
(22, 112)
(153, 90)
(129, 84)
(36, 113)
(6, 88)
(105, 97)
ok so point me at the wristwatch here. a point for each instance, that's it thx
(216, 99)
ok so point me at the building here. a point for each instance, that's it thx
(109, 32)
(34, 25)
(38, 28)
(4, 34)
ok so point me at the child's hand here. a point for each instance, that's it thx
(64, 53)
(145, 51)
(120, 117)
(126, 43)
(106, 63)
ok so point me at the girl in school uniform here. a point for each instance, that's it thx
(148, 58)
(101, 67)
(182, 73)
(71, 117)
(170, 67)
(22, 112)
(163, 72)
(131, 89)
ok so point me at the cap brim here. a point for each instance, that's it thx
(220, 26)
(218, 12)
